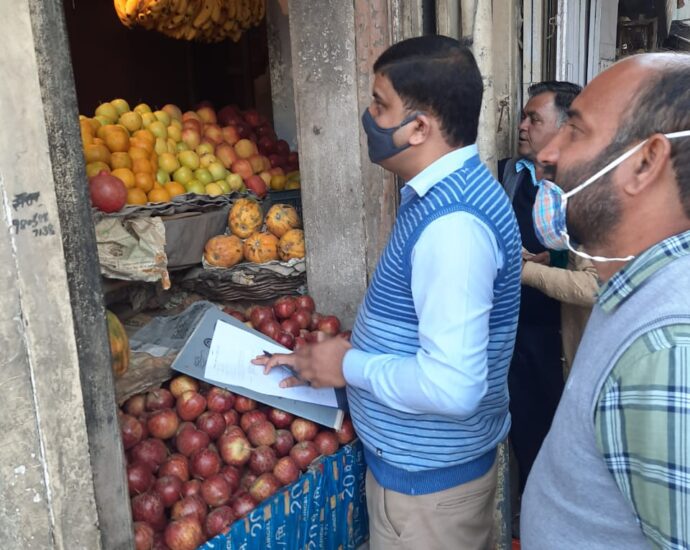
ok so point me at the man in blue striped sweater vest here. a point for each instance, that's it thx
(426, 370)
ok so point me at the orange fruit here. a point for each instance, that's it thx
(95, 125)
(138, 153)
(120, 160)
(157, 185)
(144, 181)
(94, 168)
(154, 161)
(117, 138)
(126, 175)
(174, 188)
(141, 143)
(136, 196)
(142, 165)
(99, 141)
(158, 195)
(96, 152)
(145, 134)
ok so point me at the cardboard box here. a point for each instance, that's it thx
(325, 509)
(186, 234)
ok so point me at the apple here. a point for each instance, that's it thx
(205, 149)
(213, 133)
(257, 186)
(226, 154)
(257, 163)
(243, 168)
(252, 117)
(230, 134)
(189, 159)
(191, 137)
(245, 148)
(207, 114)
(217, 170)
(266, 145)
(234, 181)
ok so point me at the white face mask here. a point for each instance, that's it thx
(550, 207)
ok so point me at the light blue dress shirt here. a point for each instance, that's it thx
(454, 264)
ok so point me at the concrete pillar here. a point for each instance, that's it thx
(61, 469)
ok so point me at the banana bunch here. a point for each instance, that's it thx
(200, 20)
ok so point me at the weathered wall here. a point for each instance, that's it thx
(49, 501)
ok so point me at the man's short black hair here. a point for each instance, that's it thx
(437, 75)
(564, 94)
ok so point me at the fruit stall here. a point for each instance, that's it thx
(199, 202)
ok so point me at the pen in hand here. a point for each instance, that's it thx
(288, 369)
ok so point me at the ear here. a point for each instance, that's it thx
(422, 127)
(650, 165)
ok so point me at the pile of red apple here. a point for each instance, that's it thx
(292, 321)
(199, 457)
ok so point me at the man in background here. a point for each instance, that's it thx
(535, 378)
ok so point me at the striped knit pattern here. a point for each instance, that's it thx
(400, 444)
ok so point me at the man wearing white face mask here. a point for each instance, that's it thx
(613, 470)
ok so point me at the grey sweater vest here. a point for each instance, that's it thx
(571, 499)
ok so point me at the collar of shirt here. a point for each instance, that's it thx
(627, 280)
(526, 164)
(436, 171)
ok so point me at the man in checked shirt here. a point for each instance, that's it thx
(614, 470)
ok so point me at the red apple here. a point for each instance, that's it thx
(285, 339)
(143, 536)
(226, 154)
(256, 185)
(326, 443)
(176, 465)
(303, 430)
(219, 521)
(151, 451)
(235, 451)
(169, 488)
(346, 433)
(284, 307)
(191, 441)
(270, 328)
(266, 145)
(262, 433)
(282, 147)
(184, 534)
(235, 313)
(306, 302)
(259, 314)
(190, 405)
(191, 137)
(284, 442)
(232, 476)
(131, 429)
(286, 470)
(304, 453)
(230, 134)
(330, 325)
(163, 423)
(139, 478)
(192, 505)
(280, 418)
(262, 460)
(149, 508)
(212, 423)
(231, 417)
(213, 133)
(291, 325)
(315, 320)
(159, 399)
(215, 490)
(242, 505)
(264, 486)
(250, 418)
(243, 168)
(302, 316)
(204, 463)
(219, 400)
(135, 405)
(191, 488)
(244, 404)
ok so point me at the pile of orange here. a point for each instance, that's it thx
(116, 141)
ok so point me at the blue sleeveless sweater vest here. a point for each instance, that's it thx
(425, 453)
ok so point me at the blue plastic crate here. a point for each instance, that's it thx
(326, 509)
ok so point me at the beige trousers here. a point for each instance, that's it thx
(458, 518)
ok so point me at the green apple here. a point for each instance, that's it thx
(148, 119)
(162, 176)
(163, 117)
(108, 111)
(214, 189)
(195, 186)
(224, 185)
(204, 148)
(218, 171)
(203, 175)
(182, 146)
(189, 159)
(183, 174)
(234, 181)
(121, 106)
(206, 159)
(158, 129)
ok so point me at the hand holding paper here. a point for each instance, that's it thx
(320, 364)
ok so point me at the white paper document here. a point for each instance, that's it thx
(229, 362)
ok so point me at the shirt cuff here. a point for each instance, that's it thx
(354, 363)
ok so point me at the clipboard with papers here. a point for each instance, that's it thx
(219, 352)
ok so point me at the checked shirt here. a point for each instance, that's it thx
(642, 419)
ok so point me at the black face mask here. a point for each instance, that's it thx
(380, 140)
